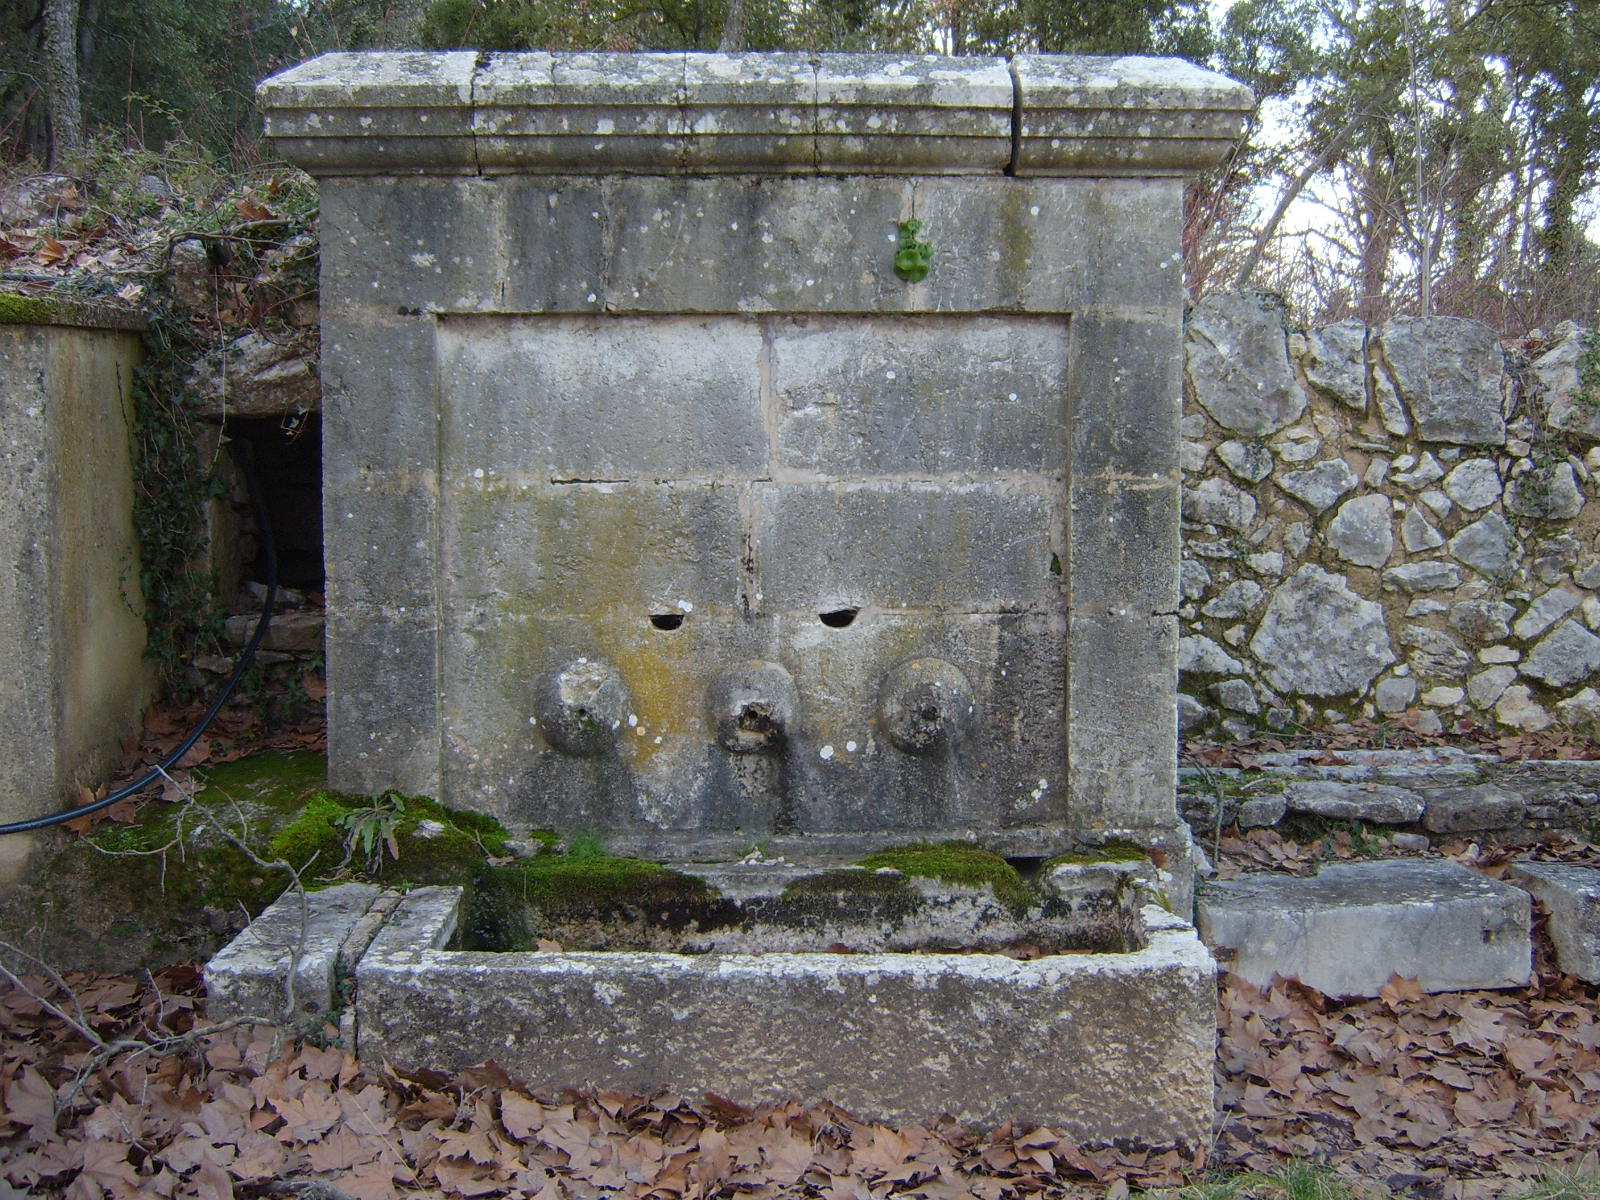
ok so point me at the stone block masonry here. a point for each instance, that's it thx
(1392, 523)
(71, 605)
(658, 505)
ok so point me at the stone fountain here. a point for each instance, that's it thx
(769, 452)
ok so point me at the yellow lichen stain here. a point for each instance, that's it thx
(665, 675)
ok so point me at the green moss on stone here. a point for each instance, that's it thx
(502, 900)
(1111, 852)
(847, 881)
(962, 863)
(27, 310)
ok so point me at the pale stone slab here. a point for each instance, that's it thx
(1349, 929)
(1472, 807)
(299, 933)
(1133, 115)
(1571, 895)
(71, 614)
(1380, 803)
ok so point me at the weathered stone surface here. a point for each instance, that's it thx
(1488, 546)
(1336, 362)
(1420, 475)
(1556, 374)
(1482, 621)
(1549, 492)
(1390, 410)
(297, 631)
(1379, 803)
(1262, 811)
(1353, 926)
(252, 975)
(1361, 531)
(1437, 501)
(1322, 485)
(1237, 599)
(1434, 652)
(1193, 579)
(936, 402)
(1562, 658)
(1237, 363)
(1164, 115)
(1517, 708)
(71, 615)
(888, 1036)
(1202, 656)
(1319, 638)
(1394, 694)
(1571, 896)
(252, 376)
(1581, 709)
(1250, 462)
(1192, 715)
(1545, 611)
(1486, 687)
(1448, 371)
(1218, 502)
(1474, 484)
(1417, 533)
(1296, 445)
(1236, 695)
(1476, 806)
(1428, 576)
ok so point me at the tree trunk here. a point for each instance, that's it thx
(732, 39)
(61, 68)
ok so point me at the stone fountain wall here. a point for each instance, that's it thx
(658, 504)
(1393, 523)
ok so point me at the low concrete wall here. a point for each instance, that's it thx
(71, 610)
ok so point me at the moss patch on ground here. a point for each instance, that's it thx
(963, 863)
(176, 883)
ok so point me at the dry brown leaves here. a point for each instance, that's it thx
(191, 1113)
(1466, 1091)
(1411, 1088)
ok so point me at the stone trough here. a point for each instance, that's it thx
(780, 451)
(1111, 1046)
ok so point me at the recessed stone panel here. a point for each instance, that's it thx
(601, 399)
(921, 396)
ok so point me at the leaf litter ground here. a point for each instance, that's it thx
(1450, 1096)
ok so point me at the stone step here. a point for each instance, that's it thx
(1571, 895)
(1347, 930)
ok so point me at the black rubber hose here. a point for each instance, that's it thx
(264, 528)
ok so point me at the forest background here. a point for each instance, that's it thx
(1407, 157)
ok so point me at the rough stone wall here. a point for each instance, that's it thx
(1387, 522)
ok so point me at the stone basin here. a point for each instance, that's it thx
(1060, 1039)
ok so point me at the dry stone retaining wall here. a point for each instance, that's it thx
(1387, 520)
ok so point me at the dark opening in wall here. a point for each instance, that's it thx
(288, 456)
